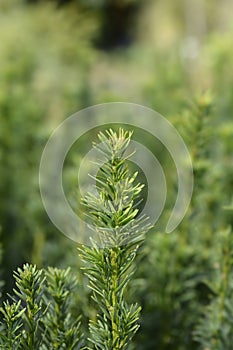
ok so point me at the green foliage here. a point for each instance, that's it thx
(113, 214)
(10, 336)
(215, 327)
(62, 332)
(40, 315)
(29, 282)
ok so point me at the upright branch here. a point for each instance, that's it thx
(39, 312)
(113, 213)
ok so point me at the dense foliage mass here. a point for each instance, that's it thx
(176, 57)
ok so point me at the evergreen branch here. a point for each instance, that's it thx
(113, 215)
(30, 283)
(40, 316)
(11, 325)
(62, 332)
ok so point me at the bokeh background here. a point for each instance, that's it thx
(57, 57)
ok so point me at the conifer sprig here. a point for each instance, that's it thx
(40, 317)
(11, 325)
(30, 286)
(113, 214)
(61, 331)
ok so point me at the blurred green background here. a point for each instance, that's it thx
(57, 57)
